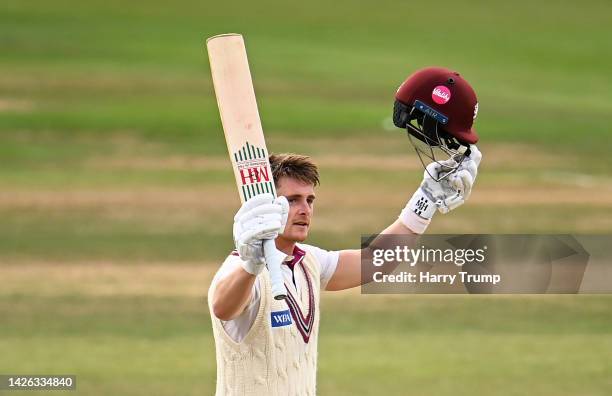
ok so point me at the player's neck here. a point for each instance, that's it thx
(285, 245)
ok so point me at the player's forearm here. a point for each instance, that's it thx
(350, 273)
(396, 234)
(397, 228)
(233, 294)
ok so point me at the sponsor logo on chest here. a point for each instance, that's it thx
(280, 318)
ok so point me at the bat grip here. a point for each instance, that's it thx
(274, 258)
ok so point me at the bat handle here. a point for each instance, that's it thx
(274, 258)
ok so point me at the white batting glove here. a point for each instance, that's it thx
(445, 195)
(458, 186)
(261, 217)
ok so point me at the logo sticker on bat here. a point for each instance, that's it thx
(252, 164)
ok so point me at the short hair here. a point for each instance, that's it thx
(295, 166)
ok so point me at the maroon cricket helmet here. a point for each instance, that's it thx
(443, 95)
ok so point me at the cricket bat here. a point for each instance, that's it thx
(243, 133)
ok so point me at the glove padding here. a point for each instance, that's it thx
(261, 217)
(444, 195)
(457, 188)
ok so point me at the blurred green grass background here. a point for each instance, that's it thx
(116, 195)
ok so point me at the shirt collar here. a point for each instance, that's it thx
(295, 258)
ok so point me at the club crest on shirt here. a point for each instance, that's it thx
(280, 318)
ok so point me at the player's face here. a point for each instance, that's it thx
(301, 198)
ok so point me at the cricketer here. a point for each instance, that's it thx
(266, 346)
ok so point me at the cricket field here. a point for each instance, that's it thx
(117, 196)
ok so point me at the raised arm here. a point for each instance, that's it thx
(443, 196)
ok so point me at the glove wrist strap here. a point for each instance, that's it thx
(418, 212)
(252, 267)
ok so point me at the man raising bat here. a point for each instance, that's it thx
(268, 346)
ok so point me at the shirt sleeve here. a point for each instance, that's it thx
(229, 265)
(328, 259)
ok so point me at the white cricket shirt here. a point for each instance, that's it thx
(238, 327)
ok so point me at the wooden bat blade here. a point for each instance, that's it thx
(239, 115)
(243, 133)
